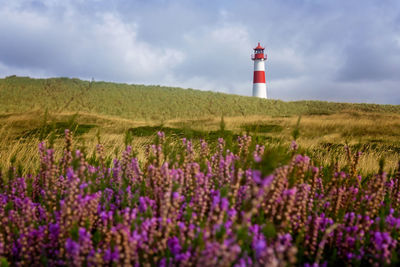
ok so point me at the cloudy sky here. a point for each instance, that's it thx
(335, 50)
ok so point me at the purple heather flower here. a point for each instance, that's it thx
(256, 174)
(177, 196)
(290, 192)
(163, 263)
(83, 186)
(260, 246)
(301, 158)
(84, 236)
(142, 204)
(174, 246)
(224, 203)
(215, 200)
(244, 262)
(232, 213)
(161, 134)
(181, 226)
(70, 174)
(294, 145)
(54, 229)
(257, 158)
(324, 264)
(267, 180)
(72, 247)
(183, 256)
(111, 256)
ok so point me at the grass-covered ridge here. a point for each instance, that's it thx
(22, 94)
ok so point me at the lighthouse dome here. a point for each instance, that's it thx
(259, 47)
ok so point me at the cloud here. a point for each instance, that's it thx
(359, 92)
(219, 52)
(102, 46)
(336, 51)
(366, 62)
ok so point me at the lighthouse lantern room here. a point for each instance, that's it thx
(259, 86)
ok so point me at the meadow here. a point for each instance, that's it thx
(165, 176)
(33, 110)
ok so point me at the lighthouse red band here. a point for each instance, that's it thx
(259, 76)
(259, 85)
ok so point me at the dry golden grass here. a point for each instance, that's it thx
(377, 134)
(25, 150)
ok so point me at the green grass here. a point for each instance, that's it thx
(57, 128)
(261, 128)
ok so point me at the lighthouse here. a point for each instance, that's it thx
(259, 86)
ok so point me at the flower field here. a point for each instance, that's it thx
(223, 203)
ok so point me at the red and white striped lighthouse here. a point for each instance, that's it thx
(259, 86)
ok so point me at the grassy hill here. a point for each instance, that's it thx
(34, 110)
(21, 94)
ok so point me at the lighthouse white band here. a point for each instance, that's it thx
(260, 90)
(259, 65)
